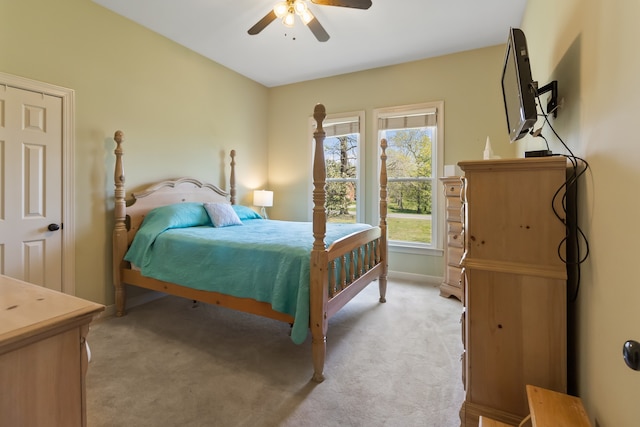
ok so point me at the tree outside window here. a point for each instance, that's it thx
(341, 159)
(414, 157)
(409, 189)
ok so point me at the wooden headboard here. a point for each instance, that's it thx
(167, 193)
(129, 215)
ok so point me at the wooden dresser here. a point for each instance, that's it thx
(514, 319)
(453, 282)
(43, 355)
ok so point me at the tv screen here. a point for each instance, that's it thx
(518, 88)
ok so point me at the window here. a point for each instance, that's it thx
(343, 154)
(414, 137)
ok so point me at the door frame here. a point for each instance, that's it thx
(68, 168)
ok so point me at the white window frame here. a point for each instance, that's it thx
(360, 182)
(437, 150)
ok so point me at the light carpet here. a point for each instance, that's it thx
(169, 363)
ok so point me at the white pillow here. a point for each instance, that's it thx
(222, 214)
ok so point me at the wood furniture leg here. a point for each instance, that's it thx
(382, 280)
(120, 229)
(318, 285)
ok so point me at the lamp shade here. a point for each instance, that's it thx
(263, 198)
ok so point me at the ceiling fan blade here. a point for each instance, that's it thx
(356, 4)
(318, 30)
(261, 24)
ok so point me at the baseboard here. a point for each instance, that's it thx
(110, 310)
(415, 278)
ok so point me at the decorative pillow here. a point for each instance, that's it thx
(222, 214)
(245, 212)
(178, 215)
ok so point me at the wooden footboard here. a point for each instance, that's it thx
(337, 273)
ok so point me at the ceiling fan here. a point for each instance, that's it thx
(288, 9)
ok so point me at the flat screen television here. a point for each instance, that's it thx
(518, 87)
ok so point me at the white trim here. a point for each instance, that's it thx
(145, 298)
(414, 249)
(438, 151)
(360, 178)
(68, 169)
(415, 278)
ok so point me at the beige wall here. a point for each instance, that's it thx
(590, 47)
(181, 114)
(189, 112)
(467, 82)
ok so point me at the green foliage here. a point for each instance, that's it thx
(340, 195)
(409, 229)
(404, 229)
(409, 160)
(340, 162)
(409, 188)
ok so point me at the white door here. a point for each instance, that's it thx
(31, 186)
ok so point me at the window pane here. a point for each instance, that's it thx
(409, 217)
(341, 160)
(410, 166)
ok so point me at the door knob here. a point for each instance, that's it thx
(631, 354)
(53, 227)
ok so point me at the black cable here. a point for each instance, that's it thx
(570, 184)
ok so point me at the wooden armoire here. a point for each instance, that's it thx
(514, 318)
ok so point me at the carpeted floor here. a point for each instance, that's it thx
(168, 363)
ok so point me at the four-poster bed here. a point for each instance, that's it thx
(337, 261)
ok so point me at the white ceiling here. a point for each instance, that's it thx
(390, 32)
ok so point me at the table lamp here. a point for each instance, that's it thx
(263, 199)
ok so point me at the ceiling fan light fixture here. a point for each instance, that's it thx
(289, 20)
(306, 16)
(300, 7)
(286, 11)
(281, 9)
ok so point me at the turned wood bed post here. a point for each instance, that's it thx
(120, 228)
(232, 178)
(318, 292)
(382, 280)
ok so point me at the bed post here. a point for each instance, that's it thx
(382, 280)
(318, 292)
(232, 178)
(120, 228)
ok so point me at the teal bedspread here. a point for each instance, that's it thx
(265, 260)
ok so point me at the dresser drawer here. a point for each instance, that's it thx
(454, 202)
(455, 240)
(452, 189)
(454, 274)
(454, 227)
(454, 214)
(454, 255)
